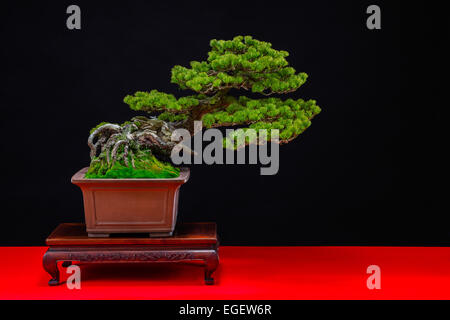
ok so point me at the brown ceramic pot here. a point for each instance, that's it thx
(130, 205)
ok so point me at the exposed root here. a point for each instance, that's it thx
(140, 134)
(115, 149)
(99, 142)
(132, 159)
(149, 137)
(104, 130)
(125, 155)
(106, 148)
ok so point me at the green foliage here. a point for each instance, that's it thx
(146, 166)
(243, 62)
(170, 117)
(240, 63)
(159, 101)
(291, 117)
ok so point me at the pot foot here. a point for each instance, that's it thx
(160, 234)
(98, 235)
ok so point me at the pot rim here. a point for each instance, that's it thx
(79, 178)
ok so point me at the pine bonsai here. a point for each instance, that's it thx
(141, 147)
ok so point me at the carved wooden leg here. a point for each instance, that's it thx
(51, 266)
(211, 265)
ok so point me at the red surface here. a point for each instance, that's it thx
(244, 273)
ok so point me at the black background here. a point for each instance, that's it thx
(369, 171)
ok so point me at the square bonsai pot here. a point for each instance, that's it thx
(130, 205)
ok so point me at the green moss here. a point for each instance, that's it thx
(146, 166)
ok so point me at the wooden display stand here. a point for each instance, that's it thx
(192, 243)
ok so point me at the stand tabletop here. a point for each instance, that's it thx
(74, 234)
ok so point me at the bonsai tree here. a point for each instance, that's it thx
(141, 147)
